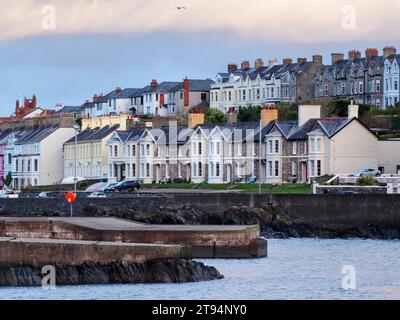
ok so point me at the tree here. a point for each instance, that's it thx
(246, 114)
(8, 179)
(214, 116)
(288, 111)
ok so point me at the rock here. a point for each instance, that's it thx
(90, 273)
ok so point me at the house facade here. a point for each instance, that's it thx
(90, 153)
(392, 80)
(37, 156)
(313, 146)
(259, 85)
(361, 79)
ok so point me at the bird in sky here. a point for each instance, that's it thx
(179, 8)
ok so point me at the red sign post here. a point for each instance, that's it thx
(71, 198)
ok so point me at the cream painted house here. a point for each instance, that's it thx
(389, 156)
(103, 121)
(91, 153)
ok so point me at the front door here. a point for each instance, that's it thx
(304, 172)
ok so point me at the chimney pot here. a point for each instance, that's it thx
(287, 61)
(301, 60)
(259, 63)
(353, 110)
(337, 57)
(308, 112)
(317, 58)
(371, 53)
(354, 54)
(389, 51)
(232, 67)
(269, 113)
(245, 65)
(154, 84)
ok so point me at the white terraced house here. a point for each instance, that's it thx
(37, 156)
(297, 150)
(119, 101)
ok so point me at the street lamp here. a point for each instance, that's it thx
(260, 158)
(77, 130)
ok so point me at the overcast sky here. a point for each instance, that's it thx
(65, 51)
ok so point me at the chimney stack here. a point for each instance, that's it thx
(273, 62)
(317, 59)
(389, 51)
(301, 60)
(269, 114)
(232, 116)
(118, 90)
(232, 67)
(371, 53)
(287, 61)
(154, 84)
(186, 87)
(308, 112)
(354, 54)
(337, 57)
(196, 118)
(353, 110)
(245, 65)
(259, 63)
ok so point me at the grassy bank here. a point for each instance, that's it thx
(266, 188)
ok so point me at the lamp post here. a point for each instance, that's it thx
(260, 159)
(77, 130)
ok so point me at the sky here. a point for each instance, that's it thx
(66, 51)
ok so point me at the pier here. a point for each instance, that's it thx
(130, 238)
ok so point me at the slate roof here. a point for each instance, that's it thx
(195, 85)
(394, 56)
(329, 126)
(4, 136)
(94, 134)
(71, 109)
(36, 135)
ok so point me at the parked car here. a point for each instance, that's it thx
(366, 172)
(108, 187)
(126, 185)
(51, 195)
(292, 179)
(98, 195)
(251, 180)
(177, 180)
(8, 194)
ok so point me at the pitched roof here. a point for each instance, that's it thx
(72, 109)
(94, 134)
(329, 126)
(195, 85)
(36, 135)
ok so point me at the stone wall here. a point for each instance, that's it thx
(329, 211)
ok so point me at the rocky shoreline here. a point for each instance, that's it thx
(160, 271)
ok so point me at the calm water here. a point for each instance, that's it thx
(296, 269)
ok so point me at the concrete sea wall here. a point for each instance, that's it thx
(319, 211)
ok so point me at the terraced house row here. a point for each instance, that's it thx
(276, 152)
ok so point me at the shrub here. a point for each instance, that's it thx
(366, 180)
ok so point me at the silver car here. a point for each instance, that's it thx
(366, 172)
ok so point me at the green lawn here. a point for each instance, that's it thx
(251, 188)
